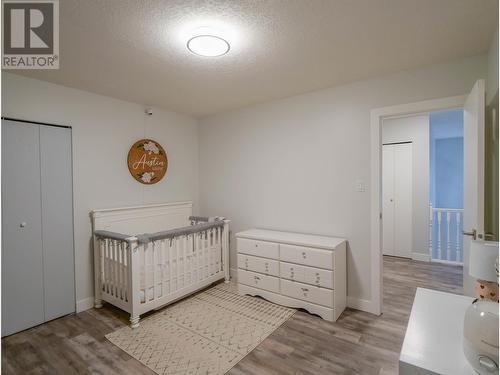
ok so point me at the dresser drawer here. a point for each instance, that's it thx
(258, 248)
(307, 256)
(292, 272)
(318, 277)
(261, 265)
(309, 293)
(258, 280)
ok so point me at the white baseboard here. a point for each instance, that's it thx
(84, 304)
(421, 257)
(361, 304)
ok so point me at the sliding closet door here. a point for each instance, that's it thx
(22, 263)
(57, 219)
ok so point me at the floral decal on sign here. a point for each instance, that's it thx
(151, 147)
(147, 161)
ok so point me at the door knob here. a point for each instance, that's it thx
(472, 233)
(23, 224)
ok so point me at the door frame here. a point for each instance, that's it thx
(377, 115)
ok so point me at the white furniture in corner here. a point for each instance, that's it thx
(294, 270)
(433, 340)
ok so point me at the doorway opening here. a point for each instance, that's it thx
(422, 186)
(446, 196)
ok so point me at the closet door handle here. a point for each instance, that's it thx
(22, 224)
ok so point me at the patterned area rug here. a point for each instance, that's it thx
(207, 333)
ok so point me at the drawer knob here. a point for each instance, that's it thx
(317, 273)
(304, 254)
(256, 277)
(256, 245)
(305, 289)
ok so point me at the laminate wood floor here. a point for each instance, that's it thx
(358, 343)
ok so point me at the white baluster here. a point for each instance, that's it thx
(430, 229)
(439, 233)
(448, 239)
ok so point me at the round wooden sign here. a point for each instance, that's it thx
(147, 161)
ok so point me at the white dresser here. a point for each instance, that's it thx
(295, 270)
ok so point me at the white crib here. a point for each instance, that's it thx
(148, 256)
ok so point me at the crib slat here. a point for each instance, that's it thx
(168, 262)
(211, 245)
(124, 270)
(155, 270)
(179, 262)
(115, 267)
(171, 264)
(130, 291)
(123, 249)
(191, 263)
(145, 271)
(106, 264)
(101, 260)
(187, 268)
(118, 270)
(219, 250)
(184, 259)
(162, 268)
(196, 240)
(204, 254)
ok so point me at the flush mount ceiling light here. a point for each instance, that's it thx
(208, 45)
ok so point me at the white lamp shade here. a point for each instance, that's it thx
(483, 255)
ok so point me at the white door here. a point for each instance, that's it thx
(473, 173)
(397, 193)
(388, 199)
(22, 259)
(37, 225)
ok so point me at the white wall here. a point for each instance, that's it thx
(103, 131)
(292, 164)
(415, 129)
(492, 78)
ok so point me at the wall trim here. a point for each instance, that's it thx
(84, 304)
(421, 257)
(376, 117)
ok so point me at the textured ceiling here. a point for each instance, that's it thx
(135, 49)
